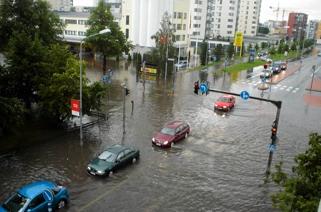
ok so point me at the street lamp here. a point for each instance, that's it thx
(104, 31)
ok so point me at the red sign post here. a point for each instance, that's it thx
(75, 107)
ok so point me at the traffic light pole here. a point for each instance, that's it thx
(124, 109)
(278, 105)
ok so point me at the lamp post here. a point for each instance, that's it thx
(104, 31)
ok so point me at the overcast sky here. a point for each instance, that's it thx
(310, 7)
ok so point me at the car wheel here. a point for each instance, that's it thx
(134, 160)
(61, 204)
(186, 135)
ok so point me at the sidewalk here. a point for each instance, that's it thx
(316, 85)
(315, 99)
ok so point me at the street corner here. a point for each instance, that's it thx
(315, 85)
(313, 100)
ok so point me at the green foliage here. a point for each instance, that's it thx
(293, 46)
(129, 58)
(109, 44)
(264, 45)
(301, 191)
(256, 47)
(164, 39)
(218, 51)
(204, 53)
(11, 114)
(30, 17)
(230, 50)
(272, 50)
(280, 48)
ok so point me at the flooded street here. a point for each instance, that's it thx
(219, 167)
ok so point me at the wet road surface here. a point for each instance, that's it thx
(219, 167)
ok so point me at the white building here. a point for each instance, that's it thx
(141, 19)
(61, 5)
(311, 29)
(75, 25)
(248, 17)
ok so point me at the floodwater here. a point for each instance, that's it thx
(219, 167)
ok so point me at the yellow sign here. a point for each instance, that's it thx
(238, 40)
(149, 70)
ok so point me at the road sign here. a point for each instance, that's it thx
(272, 147)
(244, 95)
(203, 88)
(106, 79)
(238, 40)
(75, 107)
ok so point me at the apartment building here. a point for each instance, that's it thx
(248, 17)
(311, 29)
(61, 5)
(297, 25)
(318, 31)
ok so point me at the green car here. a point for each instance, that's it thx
(112, 159)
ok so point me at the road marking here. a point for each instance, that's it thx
(90, 203)
(295, 90)
(282, 88)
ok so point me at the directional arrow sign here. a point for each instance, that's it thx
(244, 95)
(203, 88)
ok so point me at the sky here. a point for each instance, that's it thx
(310, 7)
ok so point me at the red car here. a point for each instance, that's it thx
(171, 133)
(226, 102)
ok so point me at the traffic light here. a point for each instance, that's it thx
(127, 91)
(265, 66)
(196, 87)
(273, 135)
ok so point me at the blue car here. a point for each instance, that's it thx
(37, 196)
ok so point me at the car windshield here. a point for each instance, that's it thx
(223, 99)
(168, 131)
(107, 156)
(15, 203)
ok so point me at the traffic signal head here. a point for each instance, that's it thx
(265, 66)
(273, 134)
(127, 91)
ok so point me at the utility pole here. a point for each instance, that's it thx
(124, 107)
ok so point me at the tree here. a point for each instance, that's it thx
(204, 53)
(218, 51)
(293, 46)
(256, 47)
(30, 17)
(11, 114)
(281, 48)
(264, 45)
(109, 44)
(272, 50)
(301, 191)
(164, 40)
(230, 50)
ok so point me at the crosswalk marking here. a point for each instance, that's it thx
(281, 87)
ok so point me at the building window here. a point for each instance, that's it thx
(127, 19)
(174, 14)
(127, 33)
(229, 32)
(174, 26)
(82, 22)
(185, 15)
(253, 32)
(197, 17)
(179, 26)
(231, 14)
(80, 33)
(177, 37)
(71, 21)
(229, 26)
(230, 20)
(183, 38)
(180, 15)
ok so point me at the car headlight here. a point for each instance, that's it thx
(100, 172)
(215, 105)
(224, 106)
(88, 167)
(153, 139)
(165, 142)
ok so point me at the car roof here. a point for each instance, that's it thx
(174, 124)
(116, 148)
(33, 189)
(227, 96)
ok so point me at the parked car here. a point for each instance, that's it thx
(225, 102)
(171, 133)
(111, 159)
(37, 196)
(266, 74)
(275, 68)
(181, 64)
(319, 54)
